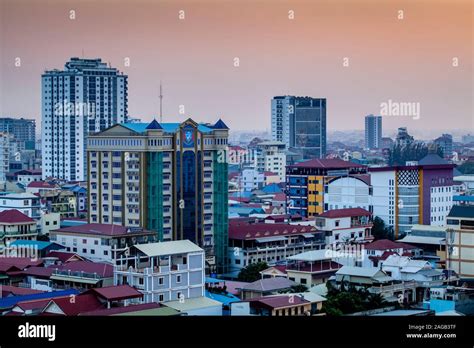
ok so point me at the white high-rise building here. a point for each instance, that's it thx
(4, 155)
(271, 157)
(86, 97)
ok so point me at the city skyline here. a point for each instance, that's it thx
(195, 62)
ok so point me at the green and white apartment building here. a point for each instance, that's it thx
(166, 177)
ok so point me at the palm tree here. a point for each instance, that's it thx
(375, 301)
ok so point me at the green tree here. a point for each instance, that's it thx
(380, 230)
(251, 273)
(415, 151)
(375, 301)
(467, 168)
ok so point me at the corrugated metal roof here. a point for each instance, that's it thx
(168, 248)
(11, 301)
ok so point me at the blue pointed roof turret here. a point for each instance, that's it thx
(220, 125)
(154, 125)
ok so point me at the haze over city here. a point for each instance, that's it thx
(388, 58)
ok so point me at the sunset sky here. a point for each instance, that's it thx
(408, 60)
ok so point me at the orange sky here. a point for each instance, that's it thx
(407, 60)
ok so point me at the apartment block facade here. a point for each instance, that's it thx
(87, 96)
(170, 178)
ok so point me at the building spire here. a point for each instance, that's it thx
(161, 103)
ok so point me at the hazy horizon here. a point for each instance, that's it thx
(408, 60)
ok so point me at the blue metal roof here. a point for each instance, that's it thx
(214, 280)
(40, 245)
(460, 198)
(11, 301)
(224, 299)
(272, 188)
(167, 127)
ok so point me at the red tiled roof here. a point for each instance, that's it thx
(99, 229)
(14, 216)
(278, 301)
(246, 231)
(384, 256)
(39, 271)
(34, 304)
(14, 290)
(407, 246)
(116, 293)
(127, 309)
(268, 173)
(240, 199)
(327, 164)
(81, 304)
(382, 244)
(40, 184)
(18, 262)
(280, 197)
(279, 217)
(347, 212)
(64, 256)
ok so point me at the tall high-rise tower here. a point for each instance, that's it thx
(373, 132)
(86, 97)
(300, 123)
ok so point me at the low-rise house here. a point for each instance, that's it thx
(376, 281)
(404, 268)
(265, 287)
(164, 271)
(311, 267)
(82, 275)
(39, 187)
(432, 239)
(32, 247)
(11, 268)
(116, 295)
(8, 303)
(251, 242)
(26, 203)
(16, 225)
(143, 309)
(48, 222)
(282, 305)
(342, 226)
(26, 176)
(100, 242)
(68, 306)
(379, 250)
(197, 306)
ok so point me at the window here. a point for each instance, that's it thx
(84, 251)
(84, 241)
(178, 279)
(74, 249)
(140, 281)
(106, 252)
(161, 298)
(337, 223)
(96, 242)
(303, 280)
(92, 251)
